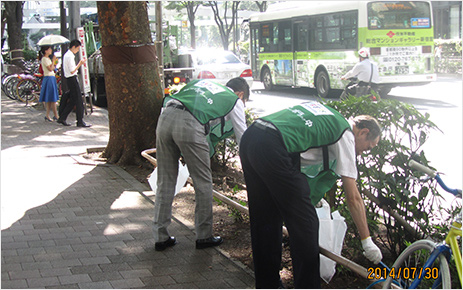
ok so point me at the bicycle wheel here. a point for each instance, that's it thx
(412, 260)
(28, 90)
(9, 86)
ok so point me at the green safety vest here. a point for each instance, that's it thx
(208, 101)
(312, 125)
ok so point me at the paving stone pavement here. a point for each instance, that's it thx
(68, 223)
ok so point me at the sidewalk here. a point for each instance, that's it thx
(70, 225)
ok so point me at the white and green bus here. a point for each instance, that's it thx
(315, 44)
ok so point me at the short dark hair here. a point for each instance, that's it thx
(366, 121)
(239, 85)
(75, 43)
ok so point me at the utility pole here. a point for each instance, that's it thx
(74, 18)
(65, 33)
(159, 43)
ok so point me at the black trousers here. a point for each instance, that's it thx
(72, 98)
(279, 193)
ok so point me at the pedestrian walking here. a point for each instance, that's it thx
(290, 160)
(191, 123)
(49, 90)
(74, 96)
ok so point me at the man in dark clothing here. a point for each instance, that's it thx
(74, 96)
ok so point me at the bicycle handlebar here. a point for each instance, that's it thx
(422, 168)
(434, 174)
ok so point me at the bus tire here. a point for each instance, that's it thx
(322, 83)
(384, 91)
(267, 79)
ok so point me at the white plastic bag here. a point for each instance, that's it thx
(331, 237)
(181, 178)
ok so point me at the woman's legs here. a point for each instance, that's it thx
(48, 107)
(53, 107)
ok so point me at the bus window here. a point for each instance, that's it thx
(284, 37)
(301, 36)
(275, 38)
(333, 31)
(399, 15)
(266, 38)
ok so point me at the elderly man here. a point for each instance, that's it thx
(290, 160)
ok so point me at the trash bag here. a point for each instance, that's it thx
(331, 237)
(181, 178)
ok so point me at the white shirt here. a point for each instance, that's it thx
(46, 61)
(69, 64)
(362, 71)
(238, 119)
(342, 151)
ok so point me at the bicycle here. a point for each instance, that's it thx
(28, 88)
(424, 263)
(353, 88)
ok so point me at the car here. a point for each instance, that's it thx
(219, 66)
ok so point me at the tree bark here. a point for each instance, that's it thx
(262, 6)
(132, 81)
(14, 20)
(192, 7)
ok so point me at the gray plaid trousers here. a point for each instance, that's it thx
(178, 132)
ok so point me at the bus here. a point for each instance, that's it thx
(314, 44)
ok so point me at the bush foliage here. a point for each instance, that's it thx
(385, 173)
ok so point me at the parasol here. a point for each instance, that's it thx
(52, 40)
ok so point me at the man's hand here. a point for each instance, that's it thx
(372, 252)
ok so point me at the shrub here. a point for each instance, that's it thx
(386, 174)
(451, 55)
(227, 150)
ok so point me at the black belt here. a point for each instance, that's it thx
(176, 106)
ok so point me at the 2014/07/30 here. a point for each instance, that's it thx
(403, 273)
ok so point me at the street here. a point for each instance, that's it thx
(441, 99)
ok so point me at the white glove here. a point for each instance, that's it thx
(371, 251)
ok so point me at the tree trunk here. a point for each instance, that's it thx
(132, 81)
(14, 20)
(224, 28)
(192, 7)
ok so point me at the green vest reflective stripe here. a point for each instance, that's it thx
(208, 101)
(312, 125)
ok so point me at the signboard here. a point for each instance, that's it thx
(420, 23)
(85, 76)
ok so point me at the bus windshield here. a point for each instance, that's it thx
(399, 15)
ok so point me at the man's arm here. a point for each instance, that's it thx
(356, 206)
(357, 210)
(238, 119)
(354, 72)
(81, 62)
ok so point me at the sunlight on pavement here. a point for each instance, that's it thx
(130, 200)
(22, 178)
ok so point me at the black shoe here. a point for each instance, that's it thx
(54, 118)
(48, 119)
(161, 246)
(63, 122)
(209, 242)
(84, 125)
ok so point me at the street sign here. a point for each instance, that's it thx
(85, 76)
